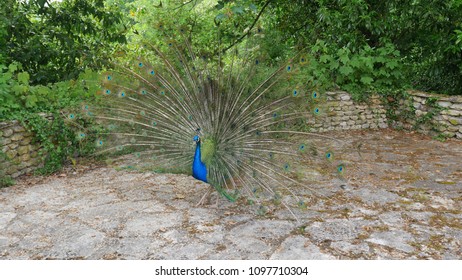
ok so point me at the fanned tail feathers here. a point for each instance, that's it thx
(154, 107)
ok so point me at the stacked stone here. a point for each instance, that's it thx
(447, 122)
(451, 116)
(19, 154)
(342, 113)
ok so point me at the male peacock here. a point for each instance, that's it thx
(227, 117)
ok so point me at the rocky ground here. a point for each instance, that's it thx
(401, 199)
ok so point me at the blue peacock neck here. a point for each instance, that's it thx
(197, 154)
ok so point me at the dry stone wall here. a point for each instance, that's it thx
(342, 113)
(18, 154)
(431, 114)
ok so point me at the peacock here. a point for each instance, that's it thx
(228, 119)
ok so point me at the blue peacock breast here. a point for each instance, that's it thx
(199, 170)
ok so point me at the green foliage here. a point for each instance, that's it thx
(46, 45)
(59, 137)
(5, 181)
(360, 46)
(427, 35)
(210, 27)
(55, 41)
(433, 109)
(368, 70)
(392, 102)
(426, 32)
(397, 110)
(17, 95)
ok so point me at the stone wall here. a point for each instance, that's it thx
(431, 114)
(342, 113)
(18, 154)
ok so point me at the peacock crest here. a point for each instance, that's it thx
(247, 123)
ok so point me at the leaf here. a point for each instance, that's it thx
(220, 16)
(325, 58)
(31, 100)
(380, 59)
(237, 10)
(355, 62)
(13, 67)
(392, 64)
(180, 196)
(368, 62)
(334, 64)
(18, 89)
(366, 80)
(383, 72)
(23, 78)
(344, 58)
(346, 70)
(5, 77)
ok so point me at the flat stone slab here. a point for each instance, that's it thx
(338, 229)
(396, 239)
(378, 196)
(388, 206)
(299, 248)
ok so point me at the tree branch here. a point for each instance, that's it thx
(250, 28)
(186, 3)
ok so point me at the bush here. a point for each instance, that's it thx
(60, 138)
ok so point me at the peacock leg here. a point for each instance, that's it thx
(204, 197)
(216, 203)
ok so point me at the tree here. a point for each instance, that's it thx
(427, 34)
(56, 41)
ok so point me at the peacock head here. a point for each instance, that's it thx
(196, 138)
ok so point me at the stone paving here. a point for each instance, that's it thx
(402, 200)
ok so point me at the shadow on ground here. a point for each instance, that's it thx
(401, 200)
